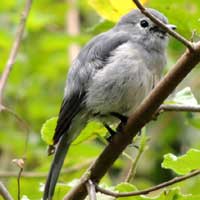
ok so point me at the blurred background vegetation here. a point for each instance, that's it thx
(36, 83)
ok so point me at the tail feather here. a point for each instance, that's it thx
(79, 122)
(57, 163)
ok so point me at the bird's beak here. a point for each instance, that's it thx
(171, 26)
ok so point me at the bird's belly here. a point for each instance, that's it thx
(119, 93)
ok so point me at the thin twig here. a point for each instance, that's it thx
(14, 49)
(134, 162)
(18, 118)
(173, 33)
(4, 192)
(91, 190)
(132, 170)
(38, 175)
(20, 164)
(18, 183)
(22, 122)
(179, 108)
(149, 190)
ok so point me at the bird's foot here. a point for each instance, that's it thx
(111, 131)
(119, 128)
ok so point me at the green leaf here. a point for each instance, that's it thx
(187, 98)
(191, 197)
(184, 97)
(183, 164)
(48, 130)
(126, 187)
(178, 12)
(90, 131)
(113, 9)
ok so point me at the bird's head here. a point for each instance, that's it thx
(144, 31)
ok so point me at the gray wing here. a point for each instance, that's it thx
(91, 58)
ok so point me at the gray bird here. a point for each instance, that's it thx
(107, 81)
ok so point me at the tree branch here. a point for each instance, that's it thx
(179, 108)
(149, 190)
(14, 49)
(4, 192)
(91, 190)
(171, 32)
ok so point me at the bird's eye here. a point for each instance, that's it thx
(144, 23)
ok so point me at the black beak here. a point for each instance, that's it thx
(162, 32)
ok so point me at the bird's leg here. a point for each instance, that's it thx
(123, 122)
(111, 131)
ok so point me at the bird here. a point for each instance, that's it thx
(108, 80)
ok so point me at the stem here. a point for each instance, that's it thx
(134, 163)
(132, 170)
(18, 184)
(14, 49)
(149, 190)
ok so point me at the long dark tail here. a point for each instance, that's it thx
(56, 165)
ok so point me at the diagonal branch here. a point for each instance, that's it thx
(14, 49)
(173, 33)
(149, 190)
(136, 121)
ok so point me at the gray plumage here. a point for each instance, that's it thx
(114, 72)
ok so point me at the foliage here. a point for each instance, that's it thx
(47, 130)
(183, 164)
(113, 9)
(35, 91)
(184, 97)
